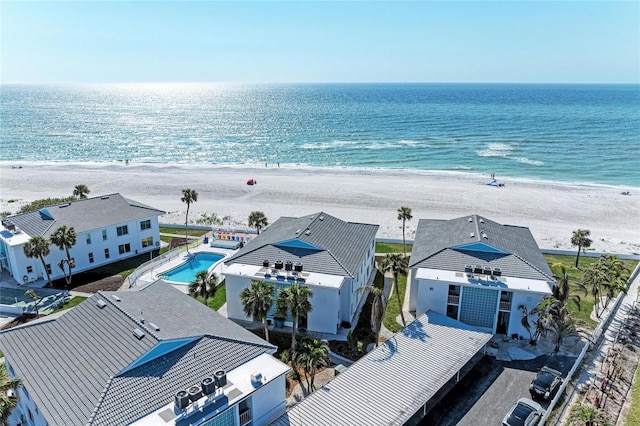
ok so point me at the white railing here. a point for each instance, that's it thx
(153, 263)
(245, 417)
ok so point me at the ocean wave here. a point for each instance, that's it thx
(496, 150)
(526, 160)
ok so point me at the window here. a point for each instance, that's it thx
(146, 242)
(104, 235)
(124, 248)
(88, 238)
(48, 268)
(90, 257)
(145, 224)
(106, 253)
(122, 230)
(29, 269)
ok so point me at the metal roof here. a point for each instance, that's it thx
(451, 244)
(84, 215)
(392, 382)
(326, 244)
(75, 367)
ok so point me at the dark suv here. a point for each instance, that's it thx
(546, 383)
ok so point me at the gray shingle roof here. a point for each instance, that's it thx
(437, 245)
(83, 215)
(388, 385)
(341, 245)
(73, 366)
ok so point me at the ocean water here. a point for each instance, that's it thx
(566, 133)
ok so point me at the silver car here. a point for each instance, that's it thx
(526, 412)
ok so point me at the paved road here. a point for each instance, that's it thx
(487, 392)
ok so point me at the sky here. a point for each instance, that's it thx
(306, 41)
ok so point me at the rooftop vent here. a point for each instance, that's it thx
(470, 219)
(256, 379)
(182, 399)
(321, 218)
(221, 378)
(101, 303)
(485, 236)
(104, 197)
(481, 220)
(64, 205)
(312, 217)
(308, 232)
(471, 235)
(208, 385)
(298, 231)
(155, 327)
(116, 298)
(138, 333)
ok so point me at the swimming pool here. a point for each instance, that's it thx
(186, 273)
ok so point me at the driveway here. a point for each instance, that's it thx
(488, 391)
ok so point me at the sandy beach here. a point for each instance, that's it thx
(551, 210)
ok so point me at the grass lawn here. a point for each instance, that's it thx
(393, 310)
(218, 300)
(633, 416)
(125, 267)
(391, 248)
(75, 300)
(180, 232)
(587, 301)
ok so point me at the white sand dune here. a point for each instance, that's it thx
(551, 210)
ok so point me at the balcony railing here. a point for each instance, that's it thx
(245, 416)
(453, 300)
(505, 306)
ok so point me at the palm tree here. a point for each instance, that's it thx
(404, 214)
(257, 300)
(65, 238)
(296, 299)
(81, 191)
(562, 289)
(312, 354)
(204, 285)
(525, 320)
(378, 306)
(8, 400)
(258, 220)
(188, 196)
(38, 247)
(396, 264)
(562, 328)
(616, 275)
(581, 239)
(593, 278)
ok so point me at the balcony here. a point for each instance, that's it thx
(453, 300)
(245, 416)
(505, 306)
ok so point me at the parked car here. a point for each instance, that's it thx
(546, 384)
(526, 412)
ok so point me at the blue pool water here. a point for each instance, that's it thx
(186, 273)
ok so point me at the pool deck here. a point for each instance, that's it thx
(156, 273)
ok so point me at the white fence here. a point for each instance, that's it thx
(152, 264)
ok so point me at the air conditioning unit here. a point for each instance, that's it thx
(477, 269)
(195, 393)
(279, 264)
(265, 263)
(208, 385)
(221, 378)
(297, 267)
(182, 399)
(288, 266)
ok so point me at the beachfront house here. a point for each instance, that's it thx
(108, 228)
(149, 357)
(331, 257)
(477, 271)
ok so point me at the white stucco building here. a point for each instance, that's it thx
(478, 272)
(149, 357)
(331, 257)
(108, 228)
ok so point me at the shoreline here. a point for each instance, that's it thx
(431, 173)
(551, 210)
